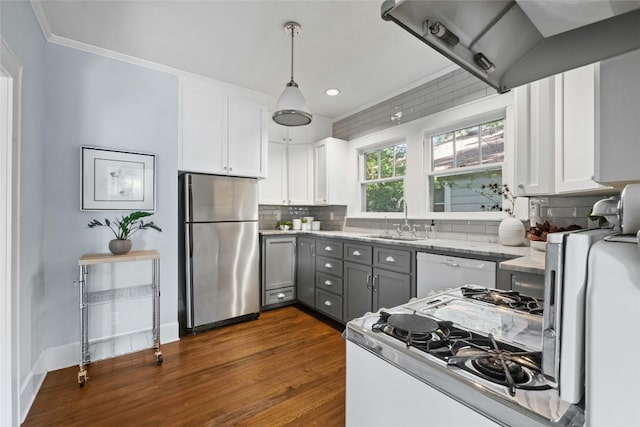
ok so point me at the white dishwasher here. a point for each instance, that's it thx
(440, 272)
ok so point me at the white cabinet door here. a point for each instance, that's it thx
(247, 138)
(273, 189)
(535, 137)
(618, 142)
(329, 172)
(300, 174)
(299, 134)
(277, 133)
(204, 130)
(575, 129)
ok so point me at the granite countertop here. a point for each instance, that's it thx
(469, 247)
(533, 263)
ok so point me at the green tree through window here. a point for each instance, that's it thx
(383, 183)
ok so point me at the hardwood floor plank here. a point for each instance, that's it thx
(285, 369)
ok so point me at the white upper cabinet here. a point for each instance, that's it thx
(618, 137)
(575, 103)
(223, 130)
(535, 137)
(555, 133)
(290, 180)
(300, 174)
(273, 190)
(330, 168)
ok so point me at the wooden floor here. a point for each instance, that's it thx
(286, 368)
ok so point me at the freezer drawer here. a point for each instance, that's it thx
(440, 272)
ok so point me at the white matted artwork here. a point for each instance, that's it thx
(117, 180)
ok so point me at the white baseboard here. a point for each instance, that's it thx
(63, 356)
(31, 385)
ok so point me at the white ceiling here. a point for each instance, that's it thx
(343, 44)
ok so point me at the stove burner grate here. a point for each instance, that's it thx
(511, 299)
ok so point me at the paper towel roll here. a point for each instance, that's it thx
(629, 211)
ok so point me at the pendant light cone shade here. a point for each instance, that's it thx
(291, 109)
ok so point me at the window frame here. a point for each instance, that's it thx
(428, 160)
(362, 172)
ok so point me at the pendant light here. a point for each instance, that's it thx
(291, 109)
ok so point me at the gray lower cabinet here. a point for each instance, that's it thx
(329, 278)
(306, 271)
(278, 270)
(367, 288)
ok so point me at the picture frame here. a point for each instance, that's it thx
(117, 180)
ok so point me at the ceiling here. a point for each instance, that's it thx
(343, 44)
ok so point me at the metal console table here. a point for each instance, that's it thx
(92, 259)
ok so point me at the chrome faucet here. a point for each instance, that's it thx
(406, 225)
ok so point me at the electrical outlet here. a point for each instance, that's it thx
(331, 216)
(115, 318)
(278, 216)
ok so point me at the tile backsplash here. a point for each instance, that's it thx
(558, 210)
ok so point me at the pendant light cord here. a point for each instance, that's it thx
(292, 28)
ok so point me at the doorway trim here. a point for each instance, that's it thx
(10, 99)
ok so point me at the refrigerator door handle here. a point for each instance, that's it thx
(189, 274)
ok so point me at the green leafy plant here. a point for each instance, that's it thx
(284, 222)
(124, 227)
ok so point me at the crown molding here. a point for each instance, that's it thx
(41, 17)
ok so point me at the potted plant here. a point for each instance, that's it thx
(511, 229)
(123, 228)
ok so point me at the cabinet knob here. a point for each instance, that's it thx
(521, 186)
(230, 169)
(328, 265)
(328, 303)
(328, 249)
(280, 296)
(224, 168)
(390, 259)
(328, 282)
(356, 253)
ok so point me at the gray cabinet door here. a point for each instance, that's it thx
(306, 271)
(279, 265)
(357, 290)
(390, 289)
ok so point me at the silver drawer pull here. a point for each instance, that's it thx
(390, 259)
(328, 249)
(328, 265)
(451, 264)
(356, 253)
(328, 282)
(328, 303)
(280, 296)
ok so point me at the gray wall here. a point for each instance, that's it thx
(72, 98)
(21, 32)
(452, 89)
(331, 217)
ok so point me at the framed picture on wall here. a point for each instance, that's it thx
(115, 180)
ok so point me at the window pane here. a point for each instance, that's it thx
(383, 196)
(401, 159)
(386, 162)
(371, 161)
(467, 147)
(492, 141)
(442, 146)
(464, 193)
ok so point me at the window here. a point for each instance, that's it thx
(383, 178)
(462, 161)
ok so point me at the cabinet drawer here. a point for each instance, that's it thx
(329, 303)
(329, 265)
(329, 248)
(329, 283)
(279, 295)
(392, 259)
(358, 253)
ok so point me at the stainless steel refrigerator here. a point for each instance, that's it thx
(219, 265)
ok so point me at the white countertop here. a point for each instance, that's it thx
(460, 246)
(533, 263)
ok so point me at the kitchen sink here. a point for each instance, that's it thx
(395, 237)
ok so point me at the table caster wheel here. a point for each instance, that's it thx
(82, 378)
(158, 358)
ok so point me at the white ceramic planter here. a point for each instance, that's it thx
(511, 232)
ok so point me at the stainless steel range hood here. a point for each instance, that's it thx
(510, 43)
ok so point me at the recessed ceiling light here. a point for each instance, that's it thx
(332, 92)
